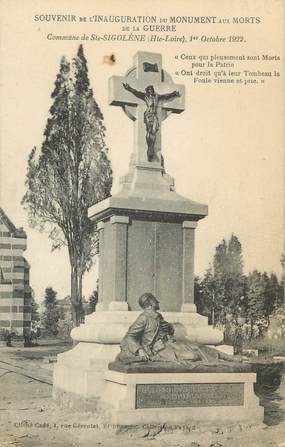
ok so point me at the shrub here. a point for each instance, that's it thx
(3, 334)
(64, 327)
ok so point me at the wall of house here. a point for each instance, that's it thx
(15, 292)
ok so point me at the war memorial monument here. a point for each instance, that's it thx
(165, 370)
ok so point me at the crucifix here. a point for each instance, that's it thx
(147, 95)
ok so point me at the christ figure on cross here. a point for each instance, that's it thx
(151, 120)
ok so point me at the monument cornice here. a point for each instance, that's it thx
(154, 210)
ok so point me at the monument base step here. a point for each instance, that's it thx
(72, 401)
(80, 371)
(110, 326)
(183, 398)
(183, 417)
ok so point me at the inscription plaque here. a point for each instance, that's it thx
(169, 395)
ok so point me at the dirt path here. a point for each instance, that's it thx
(29, 417)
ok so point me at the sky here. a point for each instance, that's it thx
(225, 150)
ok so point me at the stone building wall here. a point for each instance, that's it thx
(15, 291)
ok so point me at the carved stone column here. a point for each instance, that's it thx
(188, 228)
(119, 289)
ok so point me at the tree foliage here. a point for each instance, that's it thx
(51, 313)
(71, 173)
(35, 316)
(208, 295)
(93, 300)
(64, 327)
(223, 283)
(228, 274)
(255, 295)
(225, 289)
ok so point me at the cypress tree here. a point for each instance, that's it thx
(71, 173)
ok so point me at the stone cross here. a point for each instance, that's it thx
(129, 92)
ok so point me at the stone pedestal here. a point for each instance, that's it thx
(147, 243)
(180, 398)
(78, 378)
(147, 240)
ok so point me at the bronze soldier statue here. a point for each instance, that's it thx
(151, 339)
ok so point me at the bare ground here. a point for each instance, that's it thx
(29, 417)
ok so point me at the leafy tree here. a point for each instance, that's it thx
(64, 327)
(235, 282)
(256, 295)
(35, 316)
(263, 295)
(225, 293)
(282, 285)
(234, 257)
(198, 298)
(228, 277)
(71, 173)
(281, 294)
(218, 282)
(208, 291)
(223, 287)
(52, 312)
(220, 259)
(93, 300)
(271, 293)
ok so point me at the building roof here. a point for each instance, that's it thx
(16, 232)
